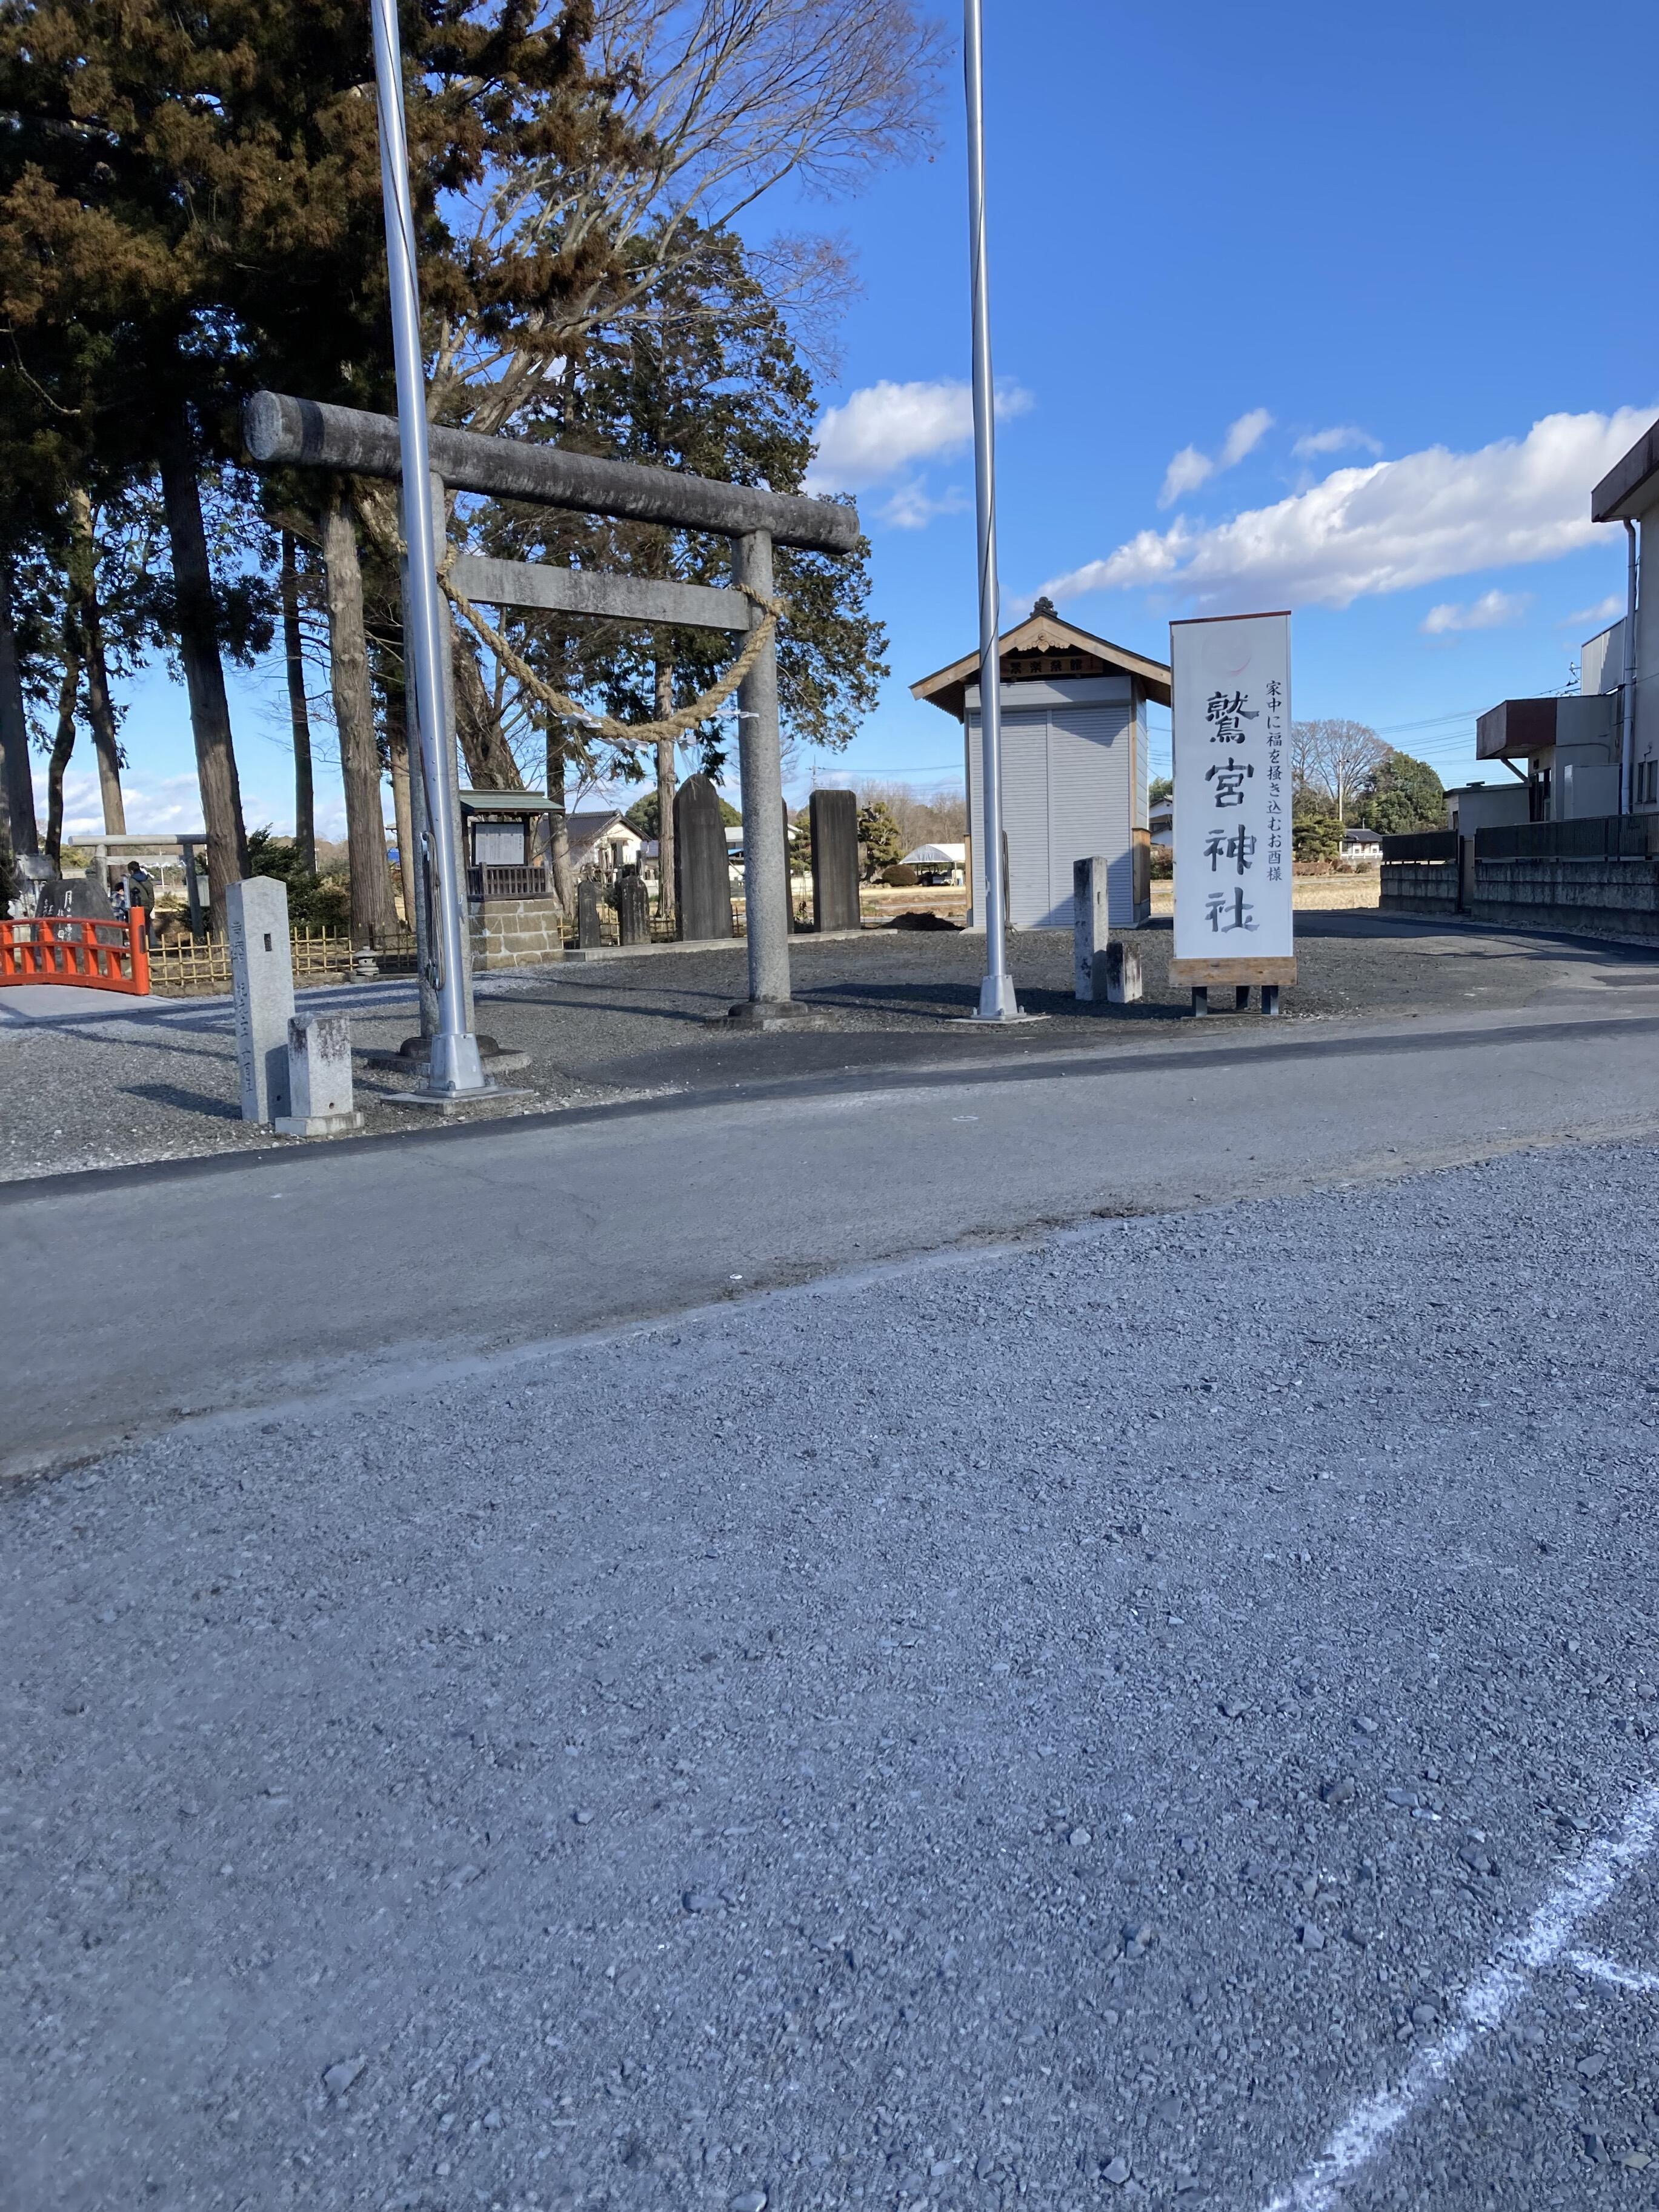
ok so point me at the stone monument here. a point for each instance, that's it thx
(702, 881)
(588, 931)
(633, 911)
(835, 819)
(262, 980)
(318, 1078)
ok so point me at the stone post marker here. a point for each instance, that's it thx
(1122, 974)
(702, 877)
(588, 931)
(261, 979)
(318, 1078)
(765, 854)
(633, 911)
(1090, 931)
(833, 816)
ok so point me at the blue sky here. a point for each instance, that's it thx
(1237, 257)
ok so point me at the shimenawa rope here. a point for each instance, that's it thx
(621, 734)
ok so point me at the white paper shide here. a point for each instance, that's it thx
(1231, 716)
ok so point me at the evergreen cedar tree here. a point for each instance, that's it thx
(879, 836)
(1403, 794)
(643, 817)
(189, 207)
(705, 377)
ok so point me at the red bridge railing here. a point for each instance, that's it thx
(101, 956)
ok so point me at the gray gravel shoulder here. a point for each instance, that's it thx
(1054, 1729)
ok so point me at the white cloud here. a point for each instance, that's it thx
(912, 508)
(1387, 527)
(1341, 438)
(1604, 611)
(1244, 436)
(169, 803)
(1185, 473)
(1491, 610)
(1190, 468)
(885, 426)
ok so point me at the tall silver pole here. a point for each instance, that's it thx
(997, 1002)
(455, 1067)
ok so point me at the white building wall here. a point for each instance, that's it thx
(1647, 657)
(1602, 661)
(1069, 789)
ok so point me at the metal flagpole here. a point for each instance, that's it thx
(997, 1002)
(455, 1067)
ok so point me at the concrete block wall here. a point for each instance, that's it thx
(515, 933)
(1603, 898)
(1412, 887)
(1606, 898)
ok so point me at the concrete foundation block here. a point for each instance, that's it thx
(318, 1078)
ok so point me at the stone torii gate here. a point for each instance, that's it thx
(279, 431)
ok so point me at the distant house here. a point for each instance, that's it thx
(1361, 848)
(1160, 821)
(603, 841)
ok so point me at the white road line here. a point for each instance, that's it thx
(1577, 1897)
(1609, 1970)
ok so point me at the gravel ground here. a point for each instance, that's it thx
(1052, 1728)
(111, 1091)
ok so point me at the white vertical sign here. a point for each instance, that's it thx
(1230, 688)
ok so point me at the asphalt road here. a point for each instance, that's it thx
(132, 1298)
(1158, 1710)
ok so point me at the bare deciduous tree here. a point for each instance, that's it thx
(722, 100)
(1334, 758)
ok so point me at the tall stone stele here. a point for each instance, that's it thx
(835, 819)
(702, 881)
(262, 980)
(633, 911)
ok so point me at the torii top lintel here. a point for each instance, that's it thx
(280, 431)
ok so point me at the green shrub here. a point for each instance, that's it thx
(901, 877)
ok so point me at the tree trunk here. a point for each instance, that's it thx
(100, 713)
(63, 743)
(204, 675)
(396, 731)
(374, 918)
(664, 792)
(15, 727)
(564, 884)
(299, 714)
(489, 762)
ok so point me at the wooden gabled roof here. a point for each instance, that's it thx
(1047, 635)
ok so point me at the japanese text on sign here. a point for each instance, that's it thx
(1232, 686)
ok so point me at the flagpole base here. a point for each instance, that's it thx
(997, 1003)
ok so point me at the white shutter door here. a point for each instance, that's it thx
(1090, 799)
(1025, 810)
(975, 827)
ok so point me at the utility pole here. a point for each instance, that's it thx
(997, 1002)
(455, 1070)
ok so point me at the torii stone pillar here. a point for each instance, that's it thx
(765, 851)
